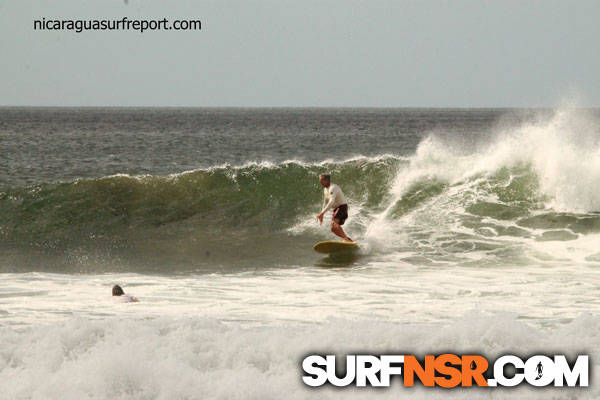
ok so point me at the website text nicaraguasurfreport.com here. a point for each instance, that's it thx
(124, 24)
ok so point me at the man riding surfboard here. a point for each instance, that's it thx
(336, 201)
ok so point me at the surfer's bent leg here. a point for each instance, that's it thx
(337, 229)
(339, 217)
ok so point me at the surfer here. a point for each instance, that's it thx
(336, 201)
(120, 296)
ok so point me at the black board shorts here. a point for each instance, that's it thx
(340, 214)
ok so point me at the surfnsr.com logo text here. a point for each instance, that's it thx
(445, 370)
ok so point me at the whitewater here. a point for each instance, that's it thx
(479, 232)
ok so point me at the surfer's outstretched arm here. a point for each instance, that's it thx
(326, 206)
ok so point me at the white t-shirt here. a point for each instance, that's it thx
(334, 197)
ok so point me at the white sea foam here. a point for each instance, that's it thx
(563, 150)
(169, 358)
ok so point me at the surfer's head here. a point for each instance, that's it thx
(117, 291)
(325, 180)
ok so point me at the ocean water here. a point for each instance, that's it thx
(478, 232)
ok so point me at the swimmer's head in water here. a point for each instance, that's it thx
(117, 291)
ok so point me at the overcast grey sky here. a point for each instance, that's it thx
(305, 53)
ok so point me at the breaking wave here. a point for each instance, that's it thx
(506, 190)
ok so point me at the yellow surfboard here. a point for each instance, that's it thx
(329, 247)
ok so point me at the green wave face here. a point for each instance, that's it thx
(234, 217)
(257, 196)
(196, 212)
